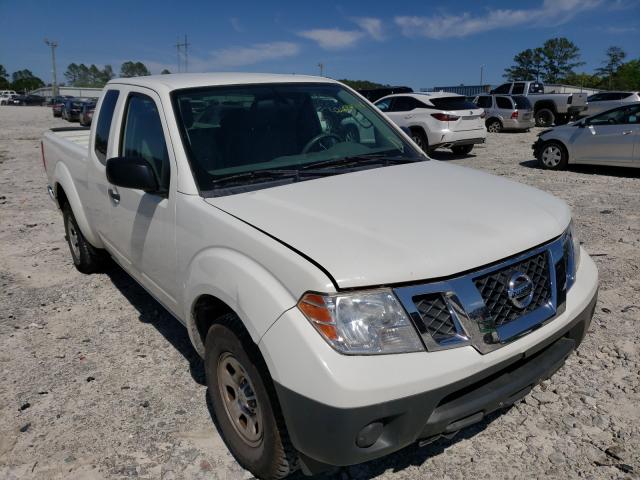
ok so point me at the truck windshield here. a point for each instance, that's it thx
(247, 133)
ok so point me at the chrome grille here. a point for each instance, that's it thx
(436, 317)
(493, 288)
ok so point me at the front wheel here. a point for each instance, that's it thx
(462, 149)
(420, 138)
(244, 402)
(553, 156)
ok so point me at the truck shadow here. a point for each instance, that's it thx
(620, 172)
(153, 313)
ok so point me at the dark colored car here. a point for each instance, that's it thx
(28, 100)
(71, 109)
(373, 94)
(86, 114)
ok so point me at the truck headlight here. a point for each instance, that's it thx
(573, 245)
(361, 323)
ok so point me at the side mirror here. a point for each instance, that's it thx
(133, 173)
(584, 123)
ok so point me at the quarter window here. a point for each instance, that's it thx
(484, 102)
(504, 103)
(383, 105)
(105, 116)
(143, 137)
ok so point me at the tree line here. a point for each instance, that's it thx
(557, 59)
(76, 75)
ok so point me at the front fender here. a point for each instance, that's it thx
(62, 178)
(239, 281)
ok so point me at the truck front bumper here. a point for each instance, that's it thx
(364, 412)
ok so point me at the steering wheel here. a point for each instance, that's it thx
(318, 140)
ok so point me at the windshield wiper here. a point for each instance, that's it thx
(366, 159)
(264, 174)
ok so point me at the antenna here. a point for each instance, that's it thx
(183, 54)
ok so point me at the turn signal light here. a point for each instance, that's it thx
(315, 309)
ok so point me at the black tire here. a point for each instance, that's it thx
(545, 117)
(462, 149)
(420, 139)
(553, 156)
(494, 126)
(86, 257)
(272, 456)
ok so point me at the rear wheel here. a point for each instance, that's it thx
(494, 126)
(86, 257)
(420, 139)
(553, 156)
(545, 117)
(244, 402)
(462, 149)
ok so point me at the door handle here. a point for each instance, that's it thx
(115, 196)
(627, 132)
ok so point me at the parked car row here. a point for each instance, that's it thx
(74, 109)
(10, 97)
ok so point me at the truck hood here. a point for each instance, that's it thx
(403, 223)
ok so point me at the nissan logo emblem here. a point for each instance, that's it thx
(520, 290)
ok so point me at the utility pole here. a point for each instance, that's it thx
(183, 53)
(321, 66)
(54, 85)
(481, 74)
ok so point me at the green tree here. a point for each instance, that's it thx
(4, 83)
(614, 59)
(25, 81)
(526, 66)
(165, 72)
(362, 84)
(584, 80)
(92, 76)
(134, 69)
(559, 57)
(627, 77)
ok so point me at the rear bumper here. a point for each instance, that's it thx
(515, 124)
(463, 141)
(328, 436)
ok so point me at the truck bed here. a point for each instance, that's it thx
(77, 135)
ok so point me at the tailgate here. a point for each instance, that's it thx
(578, 99)
(467, 120)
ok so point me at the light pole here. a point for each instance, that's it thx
(481, 73)
(54, 86)
(321, 66)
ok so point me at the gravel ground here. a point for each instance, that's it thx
(98, 381)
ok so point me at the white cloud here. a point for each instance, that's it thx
(241, 56)
(236, 25)
(332, 38)
(550, 13)
(232, 57)
(373, 26)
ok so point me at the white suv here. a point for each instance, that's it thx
(438, 119)
(6, 95)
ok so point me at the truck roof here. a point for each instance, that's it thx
(175, 81)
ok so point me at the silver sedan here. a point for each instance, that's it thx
(609, 138)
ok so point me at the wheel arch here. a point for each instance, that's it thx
(221, 281)
(545, 104)
(490, 119)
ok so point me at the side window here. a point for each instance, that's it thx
(504, 88)
(105, 116)
(504, 103)
(484, 102)
(403, 104)
(518, 88)
(619, 116)
(143, 137)
(383, 105)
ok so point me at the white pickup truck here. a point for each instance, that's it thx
(349, 296)
(548, 108)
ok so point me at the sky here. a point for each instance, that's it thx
(415, 43)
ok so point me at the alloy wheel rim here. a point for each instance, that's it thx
(239, 399)
(494, 127)
(74, 239)
(551, 156)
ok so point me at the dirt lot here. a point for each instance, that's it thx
(98, 381)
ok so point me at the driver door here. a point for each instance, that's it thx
(142, 225)
(608, 138)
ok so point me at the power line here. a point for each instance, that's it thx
(183, 54)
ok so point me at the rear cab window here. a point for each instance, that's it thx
(105, 117)
(518, 88)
